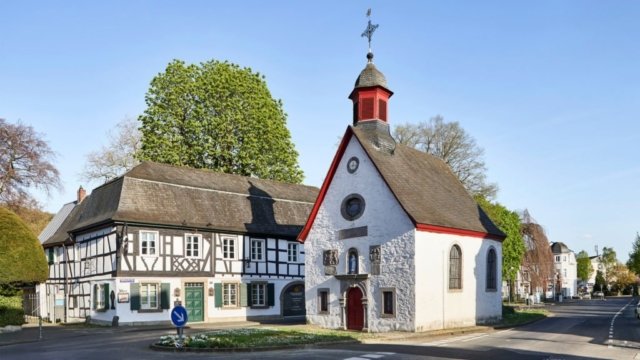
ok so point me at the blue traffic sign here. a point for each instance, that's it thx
(179, 316)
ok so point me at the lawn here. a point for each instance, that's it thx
(521, 316)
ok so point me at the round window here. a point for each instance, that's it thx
(352, 207)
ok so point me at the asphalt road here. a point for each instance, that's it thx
(586, 329)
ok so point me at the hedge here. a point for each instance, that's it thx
(11, 312)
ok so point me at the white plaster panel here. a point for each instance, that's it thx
(387, 225)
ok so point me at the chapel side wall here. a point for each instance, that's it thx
(387, 226)
(439, 307)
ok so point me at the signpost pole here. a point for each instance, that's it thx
(179, 318)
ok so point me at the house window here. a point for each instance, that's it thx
(258, 294)
(564, 273)
(292, 252)
(257, 249)
(230, 295)
(557, 258)
(228, 248)
(100, 295)
(323, 301)
(148, 243)
(492, 270)
(388, 302)
(352, 207)
(192, 245)
(50, 256)
(455, 268)
(149, 295)
(352, 261)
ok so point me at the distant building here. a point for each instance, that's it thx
(566, 270)
(596, 265)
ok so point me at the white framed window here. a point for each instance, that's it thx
(557, 258)
(149, 296)
(100, 296)
(258, 294)
(388, 302)
(323, 301)
(149, 243)
(192, 245)
(257, 249)
(292, 252)
(230, 295)
(229, 248)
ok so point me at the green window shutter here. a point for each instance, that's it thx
(106, 296)
(95, 296)
(243, 294)
(135, 297)
(165, 296)
(50, 253)
(271, 294)
(218, 298)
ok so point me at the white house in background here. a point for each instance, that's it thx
(394, 241)
(596, 265)
(566, 267)
(223, 245)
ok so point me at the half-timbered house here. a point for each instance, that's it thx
(222, 245)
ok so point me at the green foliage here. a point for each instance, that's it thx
(600, 284)
(609, 259)
(634, 256)
(218, 116)
(513, 248)
(22, 258)
(11, 312)
(584, 266)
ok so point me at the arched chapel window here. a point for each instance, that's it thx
(455, 268)
(492, 270)
(352, 261)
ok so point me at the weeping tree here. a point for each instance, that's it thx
(538, 258)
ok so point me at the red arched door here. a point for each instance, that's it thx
(355, 312)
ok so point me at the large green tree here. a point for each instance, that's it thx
(513, 248)
(609, 260)
(634, 256)
(219, 116)
(584, 266)
(22, 258)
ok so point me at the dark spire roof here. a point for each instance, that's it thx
(371, 76)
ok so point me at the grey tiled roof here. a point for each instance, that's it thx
(371, 76)
(426, 188)
(559, 248)
(56, 221)
(160, 194)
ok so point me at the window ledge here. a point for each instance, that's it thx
(150, 310)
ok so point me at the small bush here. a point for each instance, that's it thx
(11, 312)
(507, 310)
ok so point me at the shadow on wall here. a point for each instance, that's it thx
(263, 217)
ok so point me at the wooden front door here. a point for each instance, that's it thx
(355, 311)
(194, 301)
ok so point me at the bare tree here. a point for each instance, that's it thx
(25, 162)
(118, 156)
(449, 141)
(538, 258)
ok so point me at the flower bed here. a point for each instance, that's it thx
(250, 339)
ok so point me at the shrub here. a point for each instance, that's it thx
(11, 312)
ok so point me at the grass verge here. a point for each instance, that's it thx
(514, 317)
(237, 339)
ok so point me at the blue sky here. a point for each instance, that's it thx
(550, 89)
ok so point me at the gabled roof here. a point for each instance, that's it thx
(165, 195)
(56, 221)
(428, 191)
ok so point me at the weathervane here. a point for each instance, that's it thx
(368, 32)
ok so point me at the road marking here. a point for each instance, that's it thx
(613, 321)
(377, 355)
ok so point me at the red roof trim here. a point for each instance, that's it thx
(453, 231)
(325, 185)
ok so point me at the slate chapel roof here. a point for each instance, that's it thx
(426, 188)
(159, 194)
